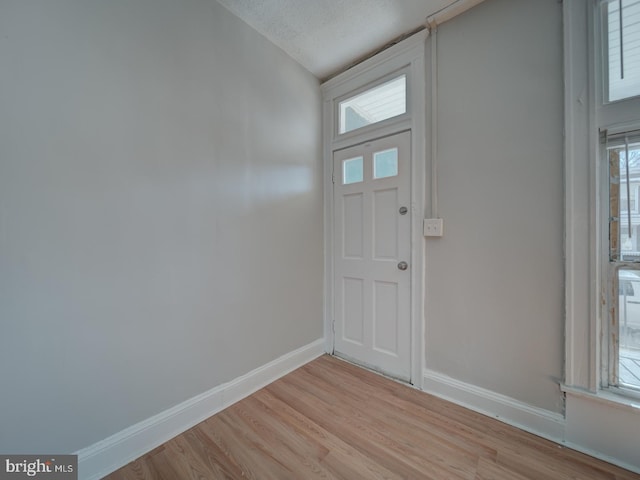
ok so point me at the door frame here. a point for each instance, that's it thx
(407, 57)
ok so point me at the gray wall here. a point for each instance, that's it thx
(494, 282)
(160, 212)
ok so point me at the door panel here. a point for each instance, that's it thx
(352, 226)
(372, 236)
(385, 224)
(385, 333)
(353, 294)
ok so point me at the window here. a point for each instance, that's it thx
(374, 105)
(621, 20)
(352, 170)
(623, 153)
(620, 154)
(385, 163)
(629, 196)
(628, 317)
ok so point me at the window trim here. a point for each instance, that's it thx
(582, 270)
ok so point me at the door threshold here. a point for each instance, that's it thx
(371, 368)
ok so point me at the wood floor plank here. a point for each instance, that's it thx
(244, 447)
(210, 455)
(490, 470)
(295, 451)
(360, 430)
(344, 460)
(409, 417)
(387, 422)
(162, 467)
(332, 420)
(140, 469)
(347, 428)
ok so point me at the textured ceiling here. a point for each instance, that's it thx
(327, 35)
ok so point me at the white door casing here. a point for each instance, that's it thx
(372, 239)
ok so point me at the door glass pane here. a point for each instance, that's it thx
(352, 170)
(385, 163)
(629, 324)
(623, 52)
(374, 105)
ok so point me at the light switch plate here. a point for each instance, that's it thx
(433, 227)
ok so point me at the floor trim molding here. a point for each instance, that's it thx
(526, 417)
(106, 456)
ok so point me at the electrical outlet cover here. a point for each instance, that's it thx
(433, 227)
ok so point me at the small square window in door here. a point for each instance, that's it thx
(385, 163)
(352, 170)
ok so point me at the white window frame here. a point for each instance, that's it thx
(587, 281)
(407, 57)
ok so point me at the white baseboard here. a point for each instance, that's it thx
(535, 420)
(106, 456)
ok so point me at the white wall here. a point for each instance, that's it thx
(160, 212)
(494, 282)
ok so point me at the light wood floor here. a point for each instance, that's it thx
(330, 419)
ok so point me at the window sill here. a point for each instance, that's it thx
(605, 397)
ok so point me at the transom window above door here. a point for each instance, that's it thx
(382, 102)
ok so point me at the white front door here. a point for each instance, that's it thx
(372, 264)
